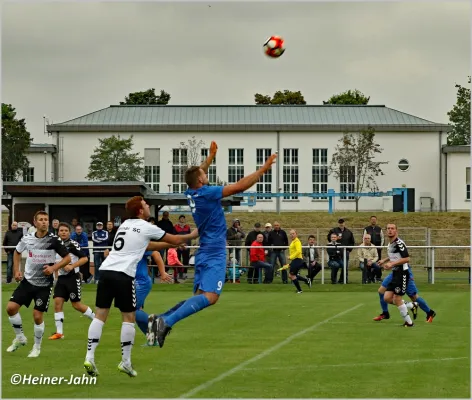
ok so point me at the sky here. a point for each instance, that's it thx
(64, 60)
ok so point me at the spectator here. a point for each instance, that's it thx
(345, 238)
(257, 260)
(267, 231)
(368, 258)
(253, 273)
(376, 234)
(12, 238)
(182, 228)
(311, 258)
(54, 229)
(168, 227)
(173, 261)
(278, 237)
(81, 238)
(335, 255)
(100, 242)
(111, 230)
(235, 236)
(74, 223)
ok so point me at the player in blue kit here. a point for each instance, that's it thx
(210, 261)
(143, 283)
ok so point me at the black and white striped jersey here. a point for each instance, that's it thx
(75, 253)
(41, 252)
(397, 250)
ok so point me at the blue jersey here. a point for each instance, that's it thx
(142, 272)
(205, 203)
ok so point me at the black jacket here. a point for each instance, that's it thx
(334, 253)
(12, 238)
(375, 233)
(347, 238)
(278, 238)
(166, 225)
(252, 236)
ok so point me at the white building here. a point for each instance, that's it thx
(304, 136)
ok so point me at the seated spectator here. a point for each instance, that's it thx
(368, 257)
(335, 255)
(310, 256)
(257, 259)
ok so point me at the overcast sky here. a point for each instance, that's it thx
(66, 60)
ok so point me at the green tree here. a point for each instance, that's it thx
(147, 97)
(348, 97)
(16, 141)
(353, 161)
(113, 161)
(459, 117)
(281, 98)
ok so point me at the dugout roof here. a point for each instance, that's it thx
(99, 189)
(221, 118)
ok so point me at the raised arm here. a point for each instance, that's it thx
(250, 180)
(205, 164)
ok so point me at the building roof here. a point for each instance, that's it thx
(41, 148)
(99, 189)
(154, 118)
(456, 149)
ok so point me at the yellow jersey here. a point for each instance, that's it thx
(295, 249)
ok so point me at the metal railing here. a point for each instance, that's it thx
(432, 251)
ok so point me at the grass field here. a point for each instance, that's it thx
(264, 341)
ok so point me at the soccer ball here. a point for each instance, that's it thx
(274, 47)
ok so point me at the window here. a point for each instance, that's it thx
(347, 181)
(179, 165)
(403, 165)
(236, 165)
(8, 178)
(467, 183)
(28, 174)
(212, 168)
(152, 168)
(290, 173)
(265, 182)
(319, 171)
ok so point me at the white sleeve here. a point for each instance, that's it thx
(154, 232)
(21, 246)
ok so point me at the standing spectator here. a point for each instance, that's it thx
(81, 238)
(74, 223)
(182, 228)
(376, 234)
(100, 242)
(257, 259)
(12, 238)
(345, 238)
(267, 231)
(311, 258)
(368, 258)
(253, 273)
(168, 227)
(335, 255)
(235, 236)
(54, 229)
(111, 233)
(278, 237)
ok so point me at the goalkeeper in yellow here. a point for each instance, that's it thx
(296, 262)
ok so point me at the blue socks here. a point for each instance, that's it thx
(171, 310)
(383, 303)
(422, 303)
(142, 320)
(191, 306)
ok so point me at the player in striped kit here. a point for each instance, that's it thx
(36, 285)
(68, 284)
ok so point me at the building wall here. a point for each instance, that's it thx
(420, 149)
(456, 181)
(43, 166)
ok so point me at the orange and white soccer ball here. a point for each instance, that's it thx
(274, 47)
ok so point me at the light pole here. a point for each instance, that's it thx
(45, 165)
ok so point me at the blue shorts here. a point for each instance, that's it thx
(142, 290)
(411, 289)
(210, 271)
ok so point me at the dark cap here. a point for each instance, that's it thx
(340, 221)
(182, 216)
(257, 225)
